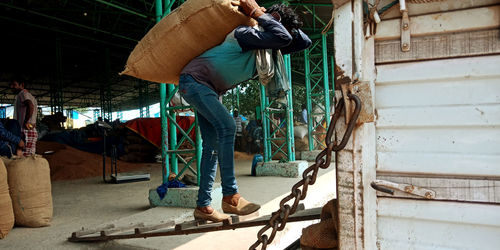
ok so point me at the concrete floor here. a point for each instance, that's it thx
(89, 203)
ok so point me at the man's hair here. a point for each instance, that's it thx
(289, 18)
(19, 79)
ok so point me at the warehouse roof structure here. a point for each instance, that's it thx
(71, 52)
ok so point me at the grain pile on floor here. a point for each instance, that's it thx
(68, 163)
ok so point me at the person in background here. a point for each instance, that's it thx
(239, 129)
(25, 107)
(208, 76)
(10, 138)
(303, 117)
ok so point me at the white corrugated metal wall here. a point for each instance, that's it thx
(439, 121)
(438, 127)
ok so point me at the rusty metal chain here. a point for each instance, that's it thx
(279, 218)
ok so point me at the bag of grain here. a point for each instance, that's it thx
(30, 190)
(6, 212)
(187, 32)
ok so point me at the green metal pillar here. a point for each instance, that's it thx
(265, 126)
(278, 135)
(105, 89)
(56, 91)
(326, 89)
(290, 139)
(3, 112)
(317, 91)
(238, 97)
(96, 114)
(307, 72)
(163, 111)
(143, 88)
(171, 90)
(235, 101)
(332, 65)
(171, 152)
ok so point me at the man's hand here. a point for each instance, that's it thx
(19, 152)
(28, 126)
(250, 8)
(20, 145)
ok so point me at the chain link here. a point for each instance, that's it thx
(278, 219)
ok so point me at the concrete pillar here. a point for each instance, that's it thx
(354, 56)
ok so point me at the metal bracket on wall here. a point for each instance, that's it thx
(363, 90)
(405, 27)
(388, 187)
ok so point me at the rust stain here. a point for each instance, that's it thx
(436, 17)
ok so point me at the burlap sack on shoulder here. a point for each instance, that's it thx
(6, 211)
(187, 32)
(30, 190)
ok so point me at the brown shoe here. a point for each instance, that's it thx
(214, 216)
(244, 207)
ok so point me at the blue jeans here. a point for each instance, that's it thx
(218, 130)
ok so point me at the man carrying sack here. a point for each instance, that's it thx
(208, 76)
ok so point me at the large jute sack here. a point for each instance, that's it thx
(6, 212)
(30, 190)
(187, 32)
(322, 235)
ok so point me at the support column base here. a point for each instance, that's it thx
(184, 197)
(291, 169)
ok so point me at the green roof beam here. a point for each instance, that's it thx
(314, 14)
(116, 6)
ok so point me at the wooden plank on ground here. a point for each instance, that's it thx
(121, 229)
(84, 231)
(161, 225)
(309, 214)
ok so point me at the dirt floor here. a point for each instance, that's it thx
(89, 203)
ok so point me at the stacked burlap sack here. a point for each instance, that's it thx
(138, 149)
(322, 235)
(6, 212)
(25, 193)
(191, 29)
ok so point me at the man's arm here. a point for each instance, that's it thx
(6, 135)
(300, 42)
(274, 36)
(30, 109)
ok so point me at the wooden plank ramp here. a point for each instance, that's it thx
(168, 228)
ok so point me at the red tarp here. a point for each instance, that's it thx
(150, 128)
